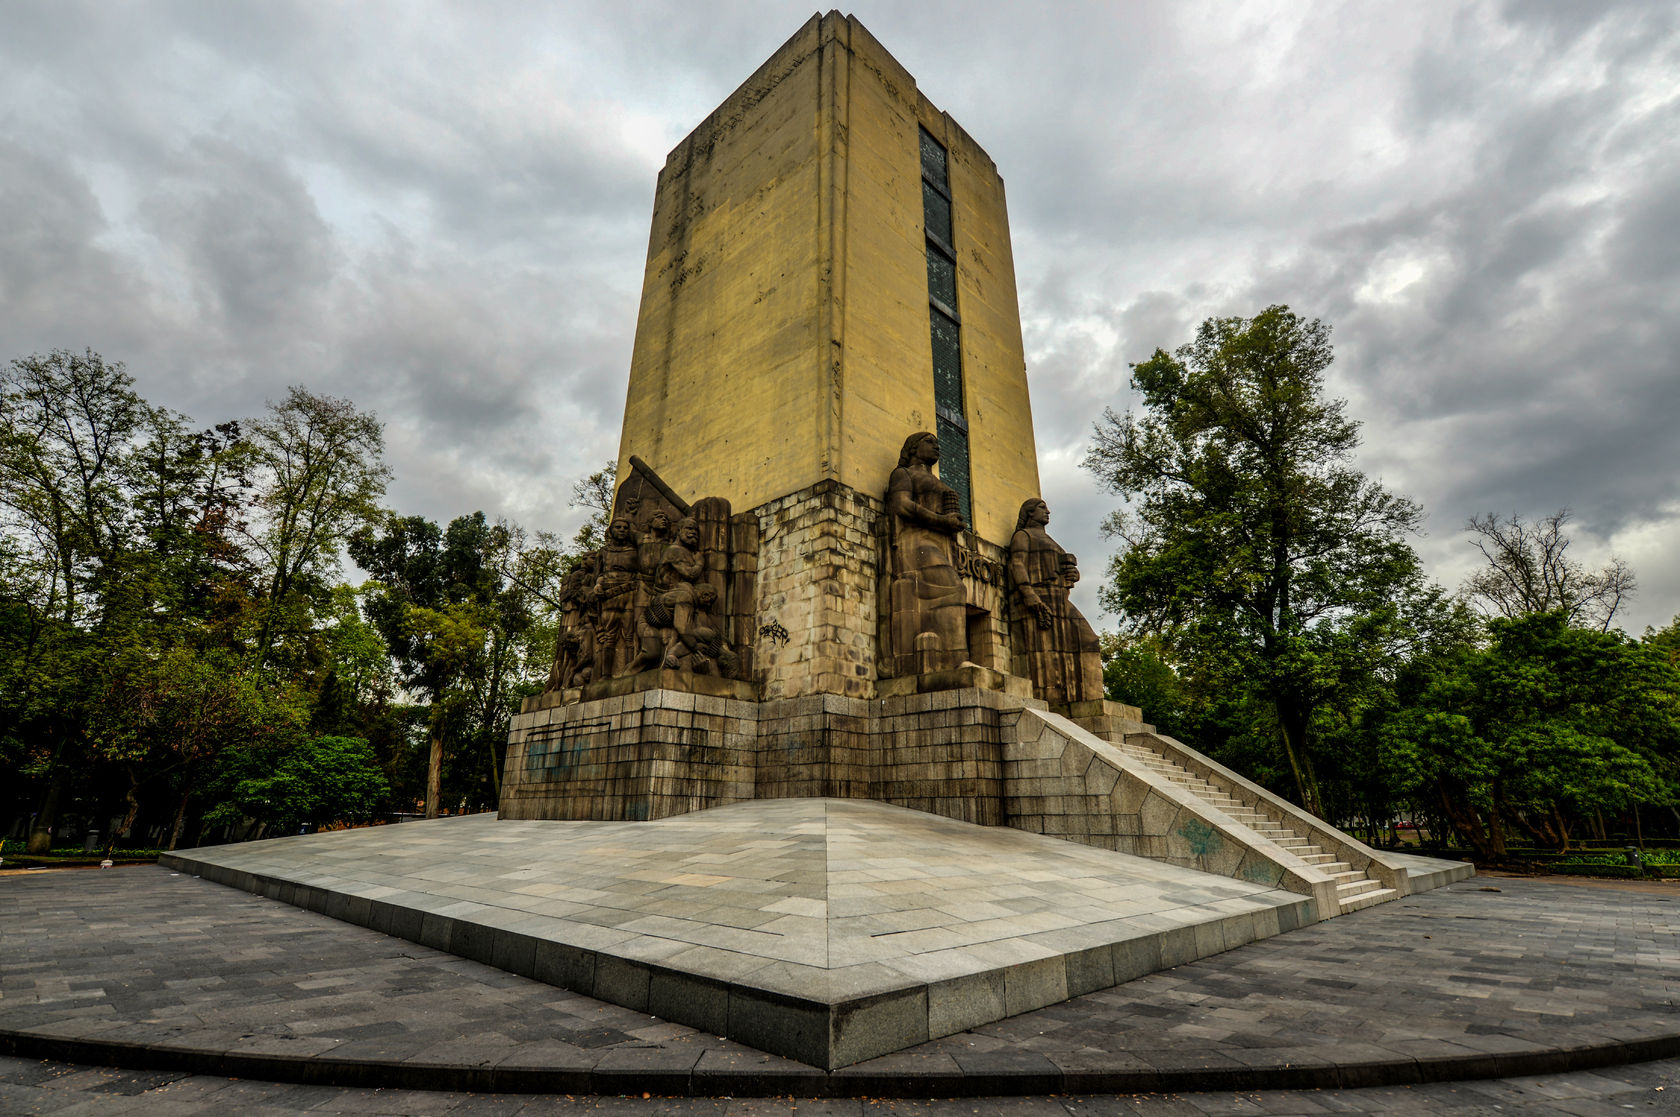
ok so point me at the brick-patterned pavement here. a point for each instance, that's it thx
(1460, 982)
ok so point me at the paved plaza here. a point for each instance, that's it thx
(143, 967)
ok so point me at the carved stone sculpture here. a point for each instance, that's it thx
(574, 653)
(1057, 642)
(696, 644)
(650, 551)
(672, 607)
(657, 597)
(928, 617)
(615, 593)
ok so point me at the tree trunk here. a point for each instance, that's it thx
(180, 814)
(1562, 829)
(127, 826)
(41, 832)
(434, 766)
(1536, 834)
(1305, 785)
(1469, 826)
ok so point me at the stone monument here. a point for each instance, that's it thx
(828, 579)
(828, 571)
(828, 341)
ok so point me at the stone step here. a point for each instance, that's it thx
(1359, 885)
(1367, 899)
(1354, 890)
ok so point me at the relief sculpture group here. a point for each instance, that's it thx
(651, 596)
(670, 590)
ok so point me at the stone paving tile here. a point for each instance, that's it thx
(141, 954)
(34, 1087)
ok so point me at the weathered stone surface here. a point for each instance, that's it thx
(922, 594)
(1054, 645)
(785, 289)
(826, 930)
(647, 753)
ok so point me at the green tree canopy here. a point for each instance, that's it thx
(1254, 550)
(319, 474)
(313, 780)
(1546, 721)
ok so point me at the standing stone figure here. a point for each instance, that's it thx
(650, 552)
(928, 622)
(574, 652)
(615, 592)
(1059, 644)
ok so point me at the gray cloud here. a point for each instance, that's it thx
(441, 210)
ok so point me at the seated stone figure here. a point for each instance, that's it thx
(1057, 642)
(928, 616)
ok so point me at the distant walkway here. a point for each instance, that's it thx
(144, 968)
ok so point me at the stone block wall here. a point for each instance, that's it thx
(657, 753)
(650, 754)
(942, 752)
(816, 593)
(816, 745)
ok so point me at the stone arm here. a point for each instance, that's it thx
(686, 565)
(901, 504)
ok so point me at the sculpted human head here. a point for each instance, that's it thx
(1034, 513)
(923, 445)
(659, 523)
(619, 530)
(688, 534)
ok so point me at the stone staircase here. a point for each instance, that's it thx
(1355, 889)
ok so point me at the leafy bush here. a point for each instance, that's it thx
(17, 847)
(1598, 870)
(315, 780)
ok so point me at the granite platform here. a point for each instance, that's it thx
(825, 930)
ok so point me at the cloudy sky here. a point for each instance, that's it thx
(440, 211)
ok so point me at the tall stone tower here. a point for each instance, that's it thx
(829, 269)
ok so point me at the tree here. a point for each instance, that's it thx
(1137, 670)
(1256, 553)
(1529, 571)
(1545, 723)
(171, 714)
(68, 426)
(457, 608)
(287, 784)
(319, 474)
(595, 493)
